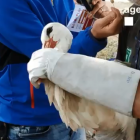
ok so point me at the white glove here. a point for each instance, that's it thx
(108, 83)
(105, 82)
(39, 65)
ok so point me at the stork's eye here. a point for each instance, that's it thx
(49, 30)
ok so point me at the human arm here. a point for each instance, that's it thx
(86, 44)
(90, 41)
(105, 82)
(102, 28)
(136, 105)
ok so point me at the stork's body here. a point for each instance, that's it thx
(78, 112)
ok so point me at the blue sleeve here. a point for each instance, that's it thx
(20, 26)
(84, 43)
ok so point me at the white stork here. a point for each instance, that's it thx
(78, 112)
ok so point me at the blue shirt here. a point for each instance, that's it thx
(21, 24)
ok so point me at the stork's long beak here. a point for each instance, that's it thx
(50, 43)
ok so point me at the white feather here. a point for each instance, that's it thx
(77, 112)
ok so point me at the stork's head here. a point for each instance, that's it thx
(56, 35)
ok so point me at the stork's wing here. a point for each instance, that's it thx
(49, 88)
(74, 111)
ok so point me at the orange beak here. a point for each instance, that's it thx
(50, 43)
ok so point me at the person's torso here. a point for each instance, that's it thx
(16, 94)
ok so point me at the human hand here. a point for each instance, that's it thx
(101, 9)
(109, 25)
(41, 64)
